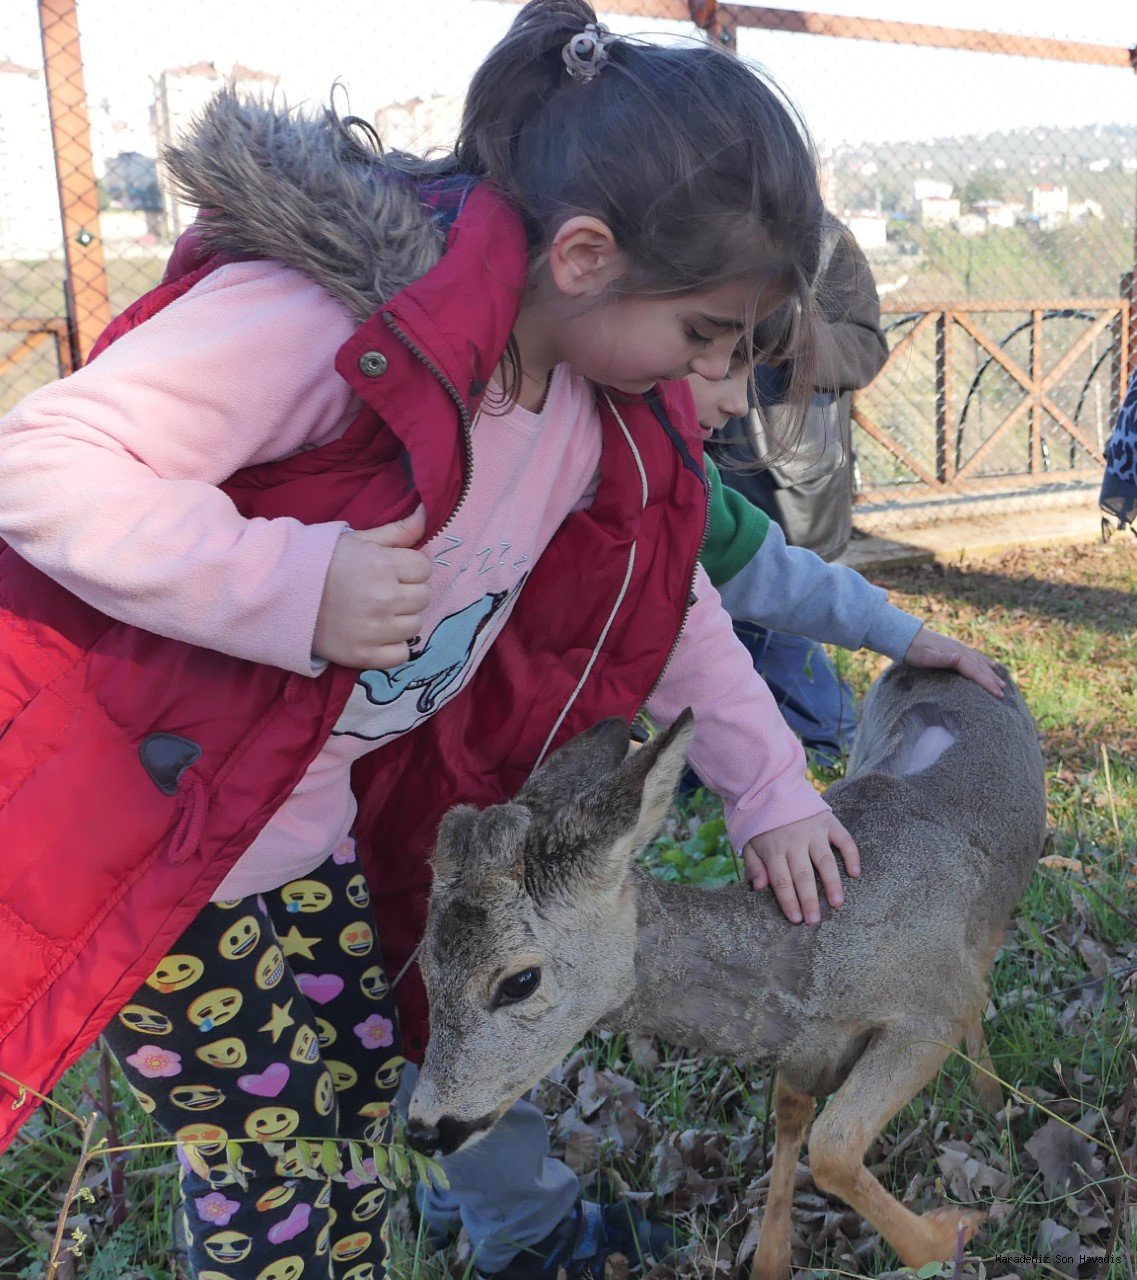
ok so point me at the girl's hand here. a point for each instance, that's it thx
(374, 596)
(930, 649)
(784, 859)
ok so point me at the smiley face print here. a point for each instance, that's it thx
(196, 1097)
(229, 1052)
(270, 1124)
(270, 968)
(240, 939)
(307, 896)
(227, 1247)
(175, 973)
(146, 1022)
(290, 1268)
(357, 939)
(215, 1008)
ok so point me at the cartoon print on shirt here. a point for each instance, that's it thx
(385, 703)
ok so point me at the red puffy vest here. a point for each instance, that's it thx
(134, 770)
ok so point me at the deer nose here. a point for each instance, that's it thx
(422, 1137)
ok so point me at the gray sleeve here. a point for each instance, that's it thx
(790, 589)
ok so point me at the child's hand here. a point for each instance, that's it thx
(784, 859)
(930, 649)
(374, 596)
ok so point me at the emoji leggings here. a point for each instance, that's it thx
(268, 1029)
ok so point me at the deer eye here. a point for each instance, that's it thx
(518, 986)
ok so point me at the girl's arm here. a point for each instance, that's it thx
(791, 589)
(107, 478)
(744, 751)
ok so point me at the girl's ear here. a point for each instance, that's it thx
(583, 258)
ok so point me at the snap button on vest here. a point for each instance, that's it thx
(165, 757)
(373, 364)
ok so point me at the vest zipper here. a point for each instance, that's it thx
(467, 425)
(690, 601)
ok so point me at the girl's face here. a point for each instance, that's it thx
(717, 402)
(632, 342)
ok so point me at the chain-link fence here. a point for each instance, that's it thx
(989, 178)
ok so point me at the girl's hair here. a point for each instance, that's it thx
(700, 169)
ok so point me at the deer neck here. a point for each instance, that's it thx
(719, 971)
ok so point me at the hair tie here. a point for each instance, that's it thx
(586, 54)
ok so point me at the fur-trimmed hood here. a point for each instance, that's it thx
(302, 189)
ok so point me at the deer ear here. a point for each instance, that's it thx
(652, 773)
(594, 837)
(477, 844)
(582, 761)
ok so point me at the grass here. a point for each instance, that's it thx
(696, 1132)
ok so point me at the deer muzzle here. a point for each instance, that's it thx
(448, 1135)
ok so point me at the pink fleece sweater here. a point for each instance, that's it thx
(108, 484)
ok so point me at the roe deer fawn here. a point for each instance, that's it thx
(541, 927)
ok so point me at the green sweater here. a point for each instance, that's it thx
(736, 528)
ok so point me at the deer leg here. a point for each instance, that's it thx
(983, 1080)
(890, 1073)
(792, 1113)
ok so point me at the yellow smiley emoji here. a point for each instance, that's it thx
(215, 1008)
(357, 939)
(373, 983)
(270, 1124)
(229, 1052)
(175, 973)
(196, 1097)
(356, 890)
(145, 1101)
(322, 1238)
(275, 1197)
(387, 1077)
(348, 1247)
(325, 1032)
(228, 1246)
(307, 896)
(305, 1045)
(282, 1269)
(325, 1098)
(365, 1271)
(343, 1076)
(270, 968)
(209, 1139)
(147, 1022)
(323, 1197)
(240, 938)
(290, 1163)
(369, 1204)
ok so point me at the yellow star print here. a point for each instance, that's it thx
(280, 1021)
(294, 943)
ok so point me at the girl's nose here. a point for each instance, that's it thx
(732, 400)
(712, 365)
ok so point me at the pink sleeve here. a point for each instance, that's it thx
(108, 477)
(742, 748)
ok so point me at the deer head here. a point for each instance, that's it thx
(531, 933)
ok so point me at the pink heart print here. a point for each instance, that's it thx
(320, 987)
(293, 1225)
(268, 1083)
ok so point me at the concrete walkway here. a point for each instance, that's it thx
(949, 541)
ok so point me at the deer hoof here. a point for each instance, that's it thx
(943, 1228)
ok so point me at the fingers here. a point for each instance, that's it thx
(407, 532)
(755, 869)
(785, 890)
(846, 846)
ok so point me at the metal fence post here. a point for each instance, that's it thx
(85, 284)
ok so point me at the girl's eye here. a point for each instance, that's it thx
(696, 337)
(519, 986)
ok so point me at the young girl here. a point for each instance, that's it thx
(237, 699)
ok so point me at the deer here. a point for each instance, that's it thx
(541, 925)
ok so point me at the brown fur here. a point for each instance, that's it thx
(866, 1006)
